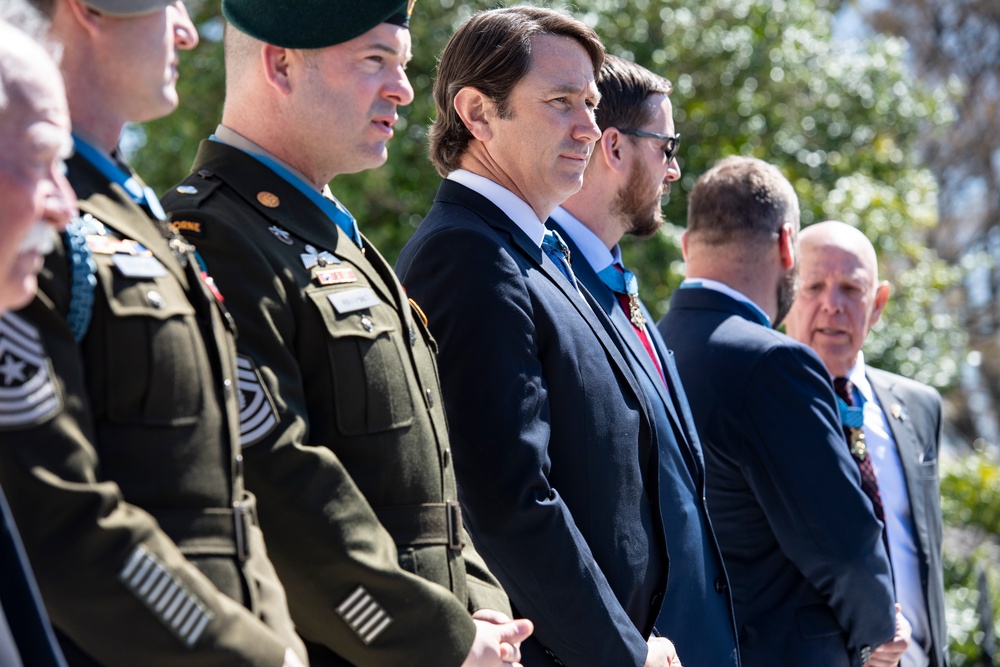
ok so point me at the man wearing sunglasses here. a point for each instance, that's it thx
(628, 174)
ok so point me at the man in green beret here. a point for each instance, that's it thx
(118, 414)
(343, 427)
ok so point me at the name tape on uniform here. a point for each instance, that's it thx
(353, 300)
(139, 266)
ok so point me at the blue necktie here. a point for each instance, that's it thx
(556, 249)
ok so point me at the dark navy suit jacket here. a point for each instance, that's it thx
(697, 612)
(809, 574)
(21, 602)
(554, 446)
(916, 428)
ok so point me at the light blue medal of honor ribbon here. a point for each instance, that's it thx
(140, 194)
(624, 282)
(853, 418)
(331, 207)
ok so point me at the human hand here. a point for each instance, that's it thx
(291, 660)
(890, 653)
(661, 653)
(498, 639)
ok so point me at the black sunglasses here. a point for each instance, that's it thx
(670, 144)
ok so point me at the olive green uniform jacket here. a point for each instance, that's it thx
(120, 457)
(343, 425)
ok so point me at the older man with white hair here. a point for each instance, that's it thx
(896, 435)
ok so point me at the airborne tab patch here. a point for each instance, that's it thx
(257, 414)
(27, 393)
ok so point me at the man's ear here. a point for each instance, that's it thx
(89, 19)
(684, 245)
(786, 245)
(881, 298)
(277, 64)
(477, 112)
(611, 148)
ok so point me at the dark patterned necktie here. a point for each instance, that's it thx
(855, 436)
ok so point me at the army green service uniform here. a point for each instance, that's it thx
(337, 372)
(120, 454)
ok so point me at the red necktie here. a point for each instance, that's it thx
(869, 483)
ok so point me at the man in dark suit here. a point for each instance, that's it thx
(839, 301)
(37, 200)
(632, 167)
(810, 578)
(555, 451)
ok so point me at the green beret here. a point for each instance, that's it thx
(128, 7)
(313, 24)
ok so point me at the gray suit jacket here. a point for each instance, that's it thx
(917, 432)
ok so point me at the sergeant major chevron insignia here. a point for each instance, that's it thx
(27, 393)
(257, 414)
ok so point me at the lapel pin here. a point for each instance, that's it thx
(897, 411)
(268, 199)
(280, 234)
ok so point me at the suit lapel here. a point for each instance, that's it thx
(608, 302)
(906, 442)
(293, 210)
(591, 311)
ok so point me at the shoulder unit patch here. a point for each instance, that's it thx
(258, 416)
(27, 393)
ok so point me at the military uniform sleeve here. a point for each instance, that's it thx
(340, 567)
(112, 581)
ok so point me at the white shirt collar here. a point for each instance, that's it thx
(592, 247)
(513, 206)
(716, 286)
(858, 379)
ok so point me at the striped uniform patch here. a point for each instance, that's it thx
(177, 608)
(365, 616)
(27, 393)
(257, 414)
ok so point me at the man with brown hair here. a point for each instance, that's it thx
(809, 575)
(633, 166)
(554, 447)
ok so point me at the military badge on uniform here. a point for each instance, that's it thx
(313, 257)
(336, 276)
(258, 416)
(268, 199)
(188, 227)
(27, 393)
(280, 234)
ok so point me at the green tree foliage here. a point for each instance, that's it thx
(970, 504)
(753, 77)
(842, 117)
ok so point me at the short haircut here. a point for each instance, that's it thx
(18, 15)
(492, 53)
(624, 87)
(740, 200)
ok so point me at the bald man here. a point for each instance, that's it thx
(840, 299)
(34, 139)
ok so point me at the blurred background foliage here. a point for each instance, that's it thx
(800, 84)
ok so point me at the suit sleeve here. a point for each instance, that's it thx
(802, 473)
(497, 402)
(326, 542)
(108, 575)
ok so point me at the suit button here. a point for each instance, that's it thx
(720, 586)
